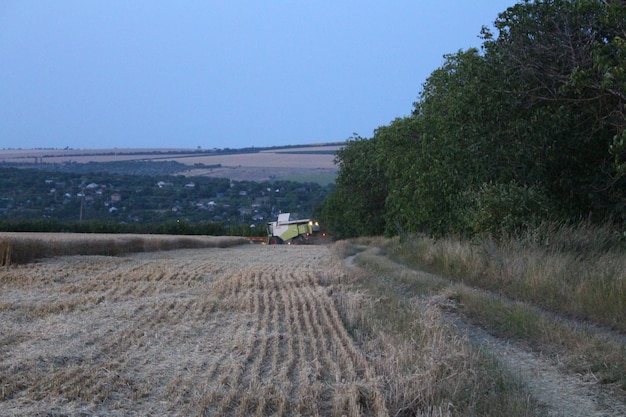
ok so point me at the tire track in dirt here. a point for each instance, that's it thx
(561, 394)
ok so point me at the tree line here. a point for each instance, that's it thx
(529, 127)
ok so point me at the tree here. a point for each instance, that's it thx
(530, 126)
(564, 61)
(397, 152)
(356, 206)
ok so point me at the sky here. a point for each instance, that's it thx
(93, 74)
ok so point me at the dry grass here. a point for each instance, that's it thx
(534, 294)
(242, 331)
(577, 277)
(19, 248)
(427, 368)
(578, 349)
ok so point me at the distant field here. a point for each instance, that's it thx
(292, 157)
(298, 163)
(262, 159)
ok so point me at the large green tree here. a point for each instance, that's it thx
(530, 126)
(461, 117)
(563, 63)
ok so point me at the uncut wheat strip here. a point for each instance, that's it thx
(357, 372)
(217, 375)
(260, 375)
(272, 396)
(25, 247)
(322, 371)
(299, 376)
(251, 375)
(307, 380)
(252, 343)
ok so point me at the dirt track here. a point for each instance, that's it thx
(243, 331)
(559, 394)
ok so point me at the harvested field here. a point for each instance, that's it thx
(297, 163)
(309, 157)
(246, 330)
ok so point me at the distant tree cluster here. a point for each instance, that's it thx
(33, 199)
(530, 127)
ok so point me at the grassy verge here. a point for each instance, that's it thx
(576, 272)
(578, 347)
(19, 248)
(428, 368)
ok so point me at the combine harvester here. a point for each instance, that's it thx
(293, 232)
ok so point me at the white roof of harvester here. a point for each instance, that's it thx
(284, 218)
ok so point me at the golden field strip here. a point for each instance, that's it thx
(292, 157)
(19, 248)
(242, 331)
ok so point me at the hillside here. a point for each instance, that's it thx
(303, 163)
(149, 186)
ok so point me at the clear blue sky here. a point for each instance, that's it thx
(229, 73)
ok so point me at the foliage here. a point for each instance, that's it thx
(562, 61)
(530, 127)
(356, 206)
(504, 209)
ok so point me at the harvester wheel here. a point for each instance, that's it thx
(275, 240)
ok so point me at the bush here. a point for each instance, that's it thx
(504, 209)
